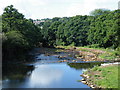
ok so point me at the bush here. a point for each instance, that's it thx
(94, 46)
(15, 38)
(72, 44)
(60, 42)
(118, 51)
(14, 45)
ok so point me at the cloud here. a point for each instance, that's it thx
(40, 76)
(87, 6)
(4, 3)
(81, 8)
(23, 6)
(37, 9)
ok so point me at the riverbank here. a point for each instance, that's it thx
(94, 54)
(104, 76)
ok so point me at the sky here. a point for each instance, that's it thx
(40, 9)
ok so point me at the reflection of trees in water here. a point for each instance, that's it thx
(84, 65)
(16, 72)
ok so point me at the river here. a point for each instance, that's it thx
(47, 71)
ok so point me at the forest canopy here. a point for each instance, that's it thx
(101, 29)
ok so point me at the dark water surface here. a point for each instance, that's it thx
(46, 72)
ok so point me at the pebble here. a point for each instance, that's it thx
(86, 76)
(83, 82)
(92, 86)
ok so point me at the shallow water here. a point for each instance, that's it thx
(46, 72)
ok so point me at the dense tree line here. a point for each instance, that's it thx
(100, 29)
(104, 30)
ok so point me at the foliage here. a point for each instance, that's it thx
(66, 31)
(84, 65)
(101, 29)
(94, 46)
(19, 34)
(16, 38)
(99, 12)
(104, 30)
(11, 19)
(108, 75)
(14, 44)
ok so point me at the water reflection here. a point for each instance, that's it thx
(84, 65)
(16, 71)
(15, 75)
(55, 76)
(44, 75)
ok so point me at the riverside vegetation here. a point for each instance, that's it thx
(100, 29)
(103, 76)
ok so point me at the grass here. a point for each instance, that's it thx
(65, 47)
(107, 56)
(105, 77)
(109, 53)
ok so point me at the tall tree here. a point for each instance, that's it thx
(99, 12)
(19, 33)
(11, 19)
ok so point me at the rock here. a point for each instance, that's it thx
(83, 82)
(65, 60)
(60, 61)
(86, 76)
(92, 86)
(94, 58)
(83, 79)
(73, 60)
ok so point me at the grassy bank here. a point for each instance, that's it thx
(104, 76)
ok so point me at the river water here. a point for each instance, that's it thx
(47, 71)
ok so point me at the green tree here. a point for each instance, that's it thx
(99, 12)
(14, 44)
(104, 30)
(19, 34)
(11, 19)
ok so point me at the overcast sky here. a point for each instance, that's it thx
(39, 9)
